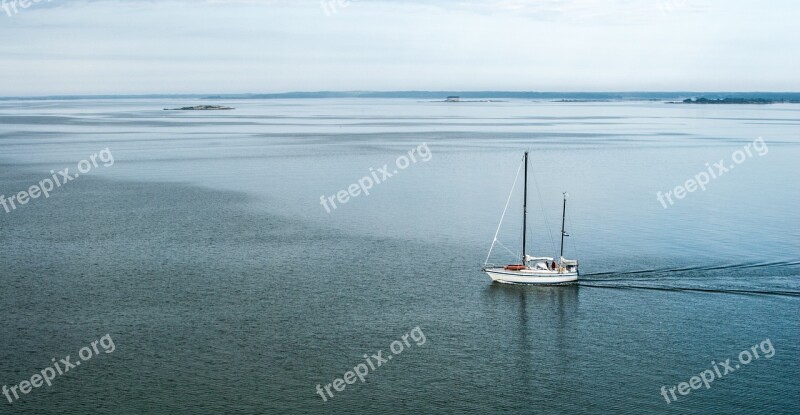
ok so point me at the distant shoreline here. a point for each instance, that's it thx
(681, 96)
(734, 101)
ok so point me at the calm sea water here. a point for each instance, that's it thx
(206, 255)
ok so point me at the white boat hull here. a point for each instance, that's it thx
(530, 276)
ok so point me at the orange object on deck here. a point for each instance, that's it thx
(515, 267)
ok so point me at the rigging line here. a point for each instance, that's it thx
(541, 207)
(504, 214)
(516, 255)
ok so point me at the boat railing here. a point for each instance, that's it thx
(488, 265)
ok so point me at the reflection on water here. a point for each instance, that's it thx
(543, 322)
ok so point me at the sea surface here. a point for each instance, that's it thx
(205, 252)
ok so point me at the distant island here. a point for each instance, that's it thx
(729, 100)
(200, 108)
(456, 98)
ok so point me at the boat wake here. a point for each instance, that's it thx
(672, 271)
(707, 279)
(691, 289)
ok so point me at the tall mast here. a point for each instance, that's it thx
(563, 215)
(525, 209)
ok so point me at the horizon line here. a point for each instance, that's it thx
(414, 93)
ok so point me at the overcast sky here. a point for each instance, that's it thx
(237, 46)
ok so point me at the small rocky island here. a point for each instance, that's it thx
(200, 108)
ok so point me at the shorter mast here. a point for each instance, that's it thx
(563, 233)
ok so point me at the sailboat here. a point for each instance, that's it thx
(533, 269)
